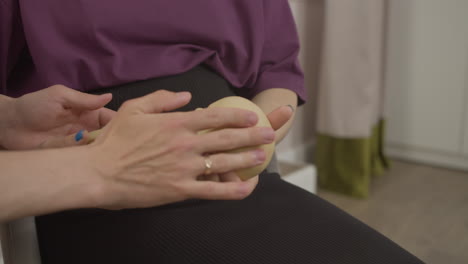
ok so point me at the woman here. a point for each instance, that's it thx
(212, 48)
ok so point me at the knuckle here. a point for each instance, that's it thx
(162, 92)
(210, 188)
(238, 115)
(244, 160)
(175, 122)
(128, 104)
(241, 116)
(183, 144)
(171, 125)
(188, 145)
(180, 190)
(256, 135)
(190, 168)
(232, 193)
(179, 121)
(228, 139)
(220, 163)
(215, 117)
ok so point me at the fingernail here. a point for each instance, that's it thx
(79, 135)
(292, 108)
(252, 118)
(268, 134)
(259, 155)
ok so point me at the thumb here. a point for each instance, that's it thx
(157, 102)
(209, 190)
(280, 116)
(83, 101)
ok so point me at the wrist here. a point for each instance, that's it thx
(102, 191)
(83, 185)
(94, 187)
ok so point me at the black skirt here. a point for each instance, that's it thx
(278, 223)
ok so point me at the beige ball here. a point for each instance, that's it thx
(240, 102)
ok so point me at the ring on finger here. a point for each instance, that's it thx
(208, 165)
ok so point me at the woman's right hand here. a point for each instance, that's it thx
(145, 157)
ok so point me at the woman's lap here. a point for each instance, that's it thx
(278, 223)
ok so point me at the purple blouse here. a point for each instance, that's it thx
(89, 44)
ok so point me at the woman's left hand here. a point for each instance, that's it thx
(280, 116)
(46, 118)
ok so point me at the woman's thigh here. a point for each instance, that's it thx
(278, 223)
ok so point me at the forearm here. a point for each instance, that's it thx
(44, 181)
(5, 116)
(271, 99)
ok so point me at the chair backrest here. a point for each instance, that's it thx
(19, 242)
(3, 242)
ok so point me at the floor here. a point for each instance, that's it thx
(299, 174)
(421, 208)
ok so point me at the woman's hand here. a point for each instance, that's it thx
(271, 101)
(45, 118)
(145, 157)
(278, 118)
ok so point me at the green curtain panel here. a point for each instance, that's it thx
(350, 99)
(347, 165)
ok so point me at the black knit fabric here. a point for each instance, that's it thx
(278, 223)
(205, 85)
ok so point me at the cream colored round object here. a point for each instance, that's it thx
(240, 102)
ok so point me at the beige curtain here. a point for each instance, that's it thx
(350, 125)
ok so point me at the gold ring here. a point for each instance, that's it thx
(208, 165)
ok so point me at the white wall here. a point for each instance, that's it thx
(426, 81)
(299, 143)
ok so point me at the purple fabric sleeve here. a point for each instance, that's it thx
(280, 65)
(11, 40)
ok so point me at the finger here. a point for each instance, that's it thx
(77, 139)
(157, 102)
(220, 117)
(81, 101)
(105, 116)
(228, 139)
(229, 177)
(280, 116)
(253, 180)
(221, 190)
(226, 162)
(210, 177)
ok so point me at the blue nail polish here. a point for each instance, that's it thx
(79, 135)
